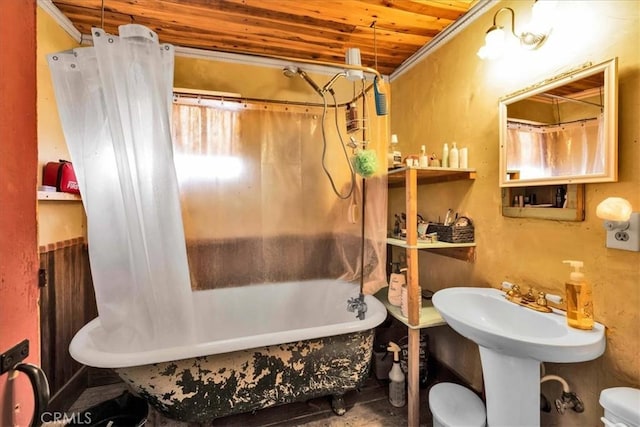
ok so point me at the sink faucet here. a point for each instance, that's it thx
(528, 300)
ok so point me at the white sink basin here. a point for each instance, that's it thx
(513, 340)
(484, 316)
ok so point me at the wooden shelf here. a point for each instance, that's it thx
(58, 196)
(396, 177)
(421, 317)
(461, 251)
(574, 211)
(429, 316)
(424, 245)
(558, 214)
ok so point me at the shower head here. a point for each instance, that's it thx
(291, 70)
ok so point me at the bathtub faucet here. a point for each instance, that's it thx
(357, 304)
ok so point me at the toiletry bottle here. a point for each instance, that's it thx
(352, 117)
(424, 159)
(396, 281)
(394, 156)
(560, 192)
(390, 151)
(445, 155)
(579, 298)
(454, 161)
(464, 158)
(397, 393)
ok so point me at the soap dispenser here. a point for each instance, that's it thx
(579, 298)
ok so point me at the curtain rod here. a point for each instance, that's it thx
(565, 98)
(515, 122)
(239, 99)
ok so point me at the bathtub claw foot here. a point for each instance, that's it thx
(338, 405)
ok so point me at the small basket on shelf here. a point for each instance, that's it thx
(461, 231)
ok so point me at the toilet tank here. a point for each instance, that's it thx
(621, 405)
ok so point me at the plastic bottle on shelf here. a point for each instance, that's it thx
(445, 155)
(464, 158)
(394, 156)
(454, 160)
(424, 159)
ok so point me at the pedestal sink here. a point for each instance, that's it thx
(513, 340)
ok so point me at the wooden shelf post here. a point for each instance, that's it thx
(413, 299)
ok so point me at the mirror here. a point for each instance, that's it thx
(562, 130)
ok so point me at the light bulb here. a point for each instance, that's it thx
(494, 44)
(542, 15)
(614, 209)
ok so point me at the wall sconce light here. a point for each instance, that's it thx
(621, 223)
(534, 35)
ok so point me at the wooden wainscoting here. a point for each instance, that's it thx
(67, 302)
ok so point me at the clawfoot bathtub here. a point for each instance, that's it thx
(259, 346)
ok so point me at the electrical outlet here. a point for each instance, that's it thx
(627, 240)
(13, 356)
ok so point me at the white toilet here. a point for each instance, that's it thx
(621, 407)
(452, 405)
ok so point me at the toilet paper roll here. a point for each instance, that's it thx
(464, 158)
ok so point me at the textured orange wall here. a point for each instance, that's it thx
(452, 95)
(18, 245)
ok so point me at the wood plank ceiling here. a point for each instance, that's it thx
(305, 29)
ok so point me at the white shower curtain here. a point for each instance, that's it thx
(257, 205)
(114, 100)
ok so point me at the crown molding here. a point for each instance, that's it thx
(64, 22)
(259, 61)
(479, 9)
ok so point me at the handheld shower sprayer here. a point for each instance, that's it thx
(329, 86)
(291, 71)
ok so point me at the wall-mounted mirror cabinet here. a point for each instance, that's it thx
(562, 130)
